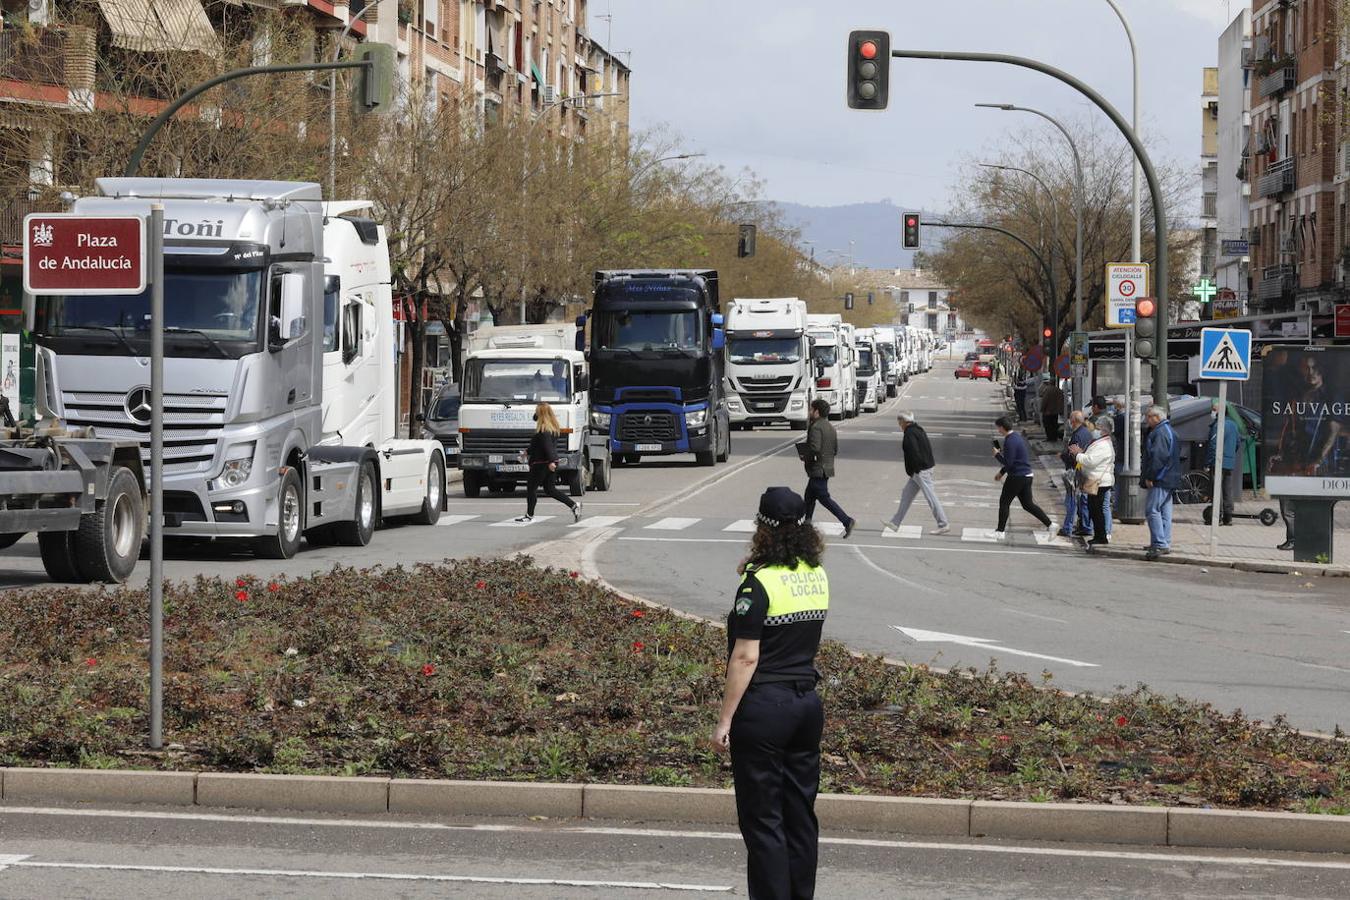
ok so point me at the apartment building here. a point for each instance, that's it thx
(1209, 172)
(917, 295)
(1232, 201)
(1297, 246)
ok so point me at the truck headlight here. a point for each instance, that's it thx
(734, 404)
(696, 418)
(600, 420)
(238, 465)
(798, 404)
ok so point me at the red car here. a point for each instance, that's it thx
(975, 369)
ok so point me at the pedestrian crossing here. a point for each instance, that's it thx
(673, 525)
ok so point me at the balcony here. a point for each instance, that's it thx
(1209, 205)
(1276, 282)
(37, 59)
(13, 208)
(1277, 179)
(1276, 82)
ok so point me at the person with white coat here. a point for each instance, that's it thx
(1097, 476)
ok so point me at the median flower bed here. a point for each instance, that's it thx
(496, 669)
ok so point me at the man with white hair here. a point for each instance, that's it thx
(1161, 474)
(919, 465)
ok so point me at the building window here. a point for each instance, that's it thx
(932, 299)
(904, 298)
(932, 321)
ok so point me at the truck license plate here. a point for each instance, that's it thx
(648, 448)
(495, 458)
(513, 468)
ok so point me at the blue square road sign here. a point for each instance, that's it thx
(1225, 354)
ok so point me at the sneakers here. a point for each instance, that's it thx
(848, 529)
(1000, 535)
(576, 511)
(942, 529)
(1287, 545)
(888, 525)
(523, 520)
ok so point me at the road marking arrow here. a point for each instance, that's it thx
(9, 860)
(938, 637)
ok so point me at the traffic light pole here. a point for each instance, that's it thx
(134, 164)
(1141, 154)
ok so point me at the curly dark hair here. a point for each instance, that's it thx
(789, 544)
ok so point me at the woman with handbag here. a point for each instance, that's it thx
(1096, 473)
(542, 456)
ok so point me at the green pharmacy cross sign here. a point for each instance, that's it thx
(1205, 290)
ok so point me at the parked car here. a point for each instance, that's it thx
(965, 369)
(982, 369)
(972, 356)
(441, 421)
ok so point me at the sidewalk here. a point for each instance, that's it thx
(1246, 545)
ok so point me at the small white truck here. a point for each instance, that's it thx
(871, 388)
(769, 376)
(508, 371)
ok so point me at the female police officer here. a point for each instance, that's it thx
(771, 715)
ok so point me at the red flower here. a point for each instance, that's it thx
(638, 646)
(91, 662)
(574, 574)
(241, 596)
(637, 613)
(239, 582)
(1004, 738)
(481, 585)
(429, 670)
(273, 587)
(1122, 721)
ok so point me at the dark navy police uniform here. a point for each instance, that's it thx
(775, 733)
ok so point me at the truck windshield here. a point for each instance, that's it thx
(221, 305)
(752, 351)
(517, 381)
(824, 355)
(648, 330)
(865, 366)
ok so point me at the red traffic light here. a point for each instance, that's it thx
(1145, 307)
(868, 49)
(911, 221)
(1047, 334)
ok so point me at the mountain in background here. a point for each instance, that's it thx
(874, 229)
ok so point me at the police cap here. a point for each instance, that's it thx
(780, 505)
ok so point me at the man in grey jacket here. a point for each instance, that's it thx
(822, 445)
(919, 464)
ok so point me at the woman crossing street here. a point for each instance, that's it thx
(542, 456)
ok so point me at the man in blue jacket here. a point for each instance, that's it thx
(1230, 452)
(1161, 475)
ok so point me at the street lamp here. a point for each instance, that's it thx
(1054, 213)
(1078, 238)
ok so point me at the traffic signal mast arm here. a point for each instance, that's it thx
(1151, 174)
(1045, 269)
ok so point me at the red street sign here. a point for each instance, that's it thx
(1033, 359)
(1343, 320)
(1063, 366)
(70, 254)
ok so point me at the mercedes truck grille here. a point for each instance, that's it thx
(193, 424)
(640, 427)
(506, 441)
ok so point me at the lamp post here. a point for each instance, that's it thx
(1054, 219)
(1078, 236)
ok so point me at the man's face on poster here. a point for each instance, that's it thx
(1312, 376)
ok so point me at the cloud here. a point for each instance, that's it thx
(1215, 12)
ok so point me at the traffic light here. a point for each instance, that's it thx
(869, 69)
(374, 89)
(909, 237)
(745, 243)
(1047, 336)
(1145, 329)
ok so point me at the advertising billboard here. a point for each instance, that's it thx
(1305, 418)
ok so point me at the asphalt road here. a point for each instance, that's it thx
(673, 532)
(113, 853)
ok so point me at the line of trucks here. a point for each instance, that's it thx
(280, 403)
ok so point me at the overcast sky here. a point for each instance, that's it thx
(760, 83)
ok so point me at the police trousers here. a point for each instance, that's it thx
(775, 760)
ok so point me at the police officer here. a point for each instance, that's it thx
(771, 715)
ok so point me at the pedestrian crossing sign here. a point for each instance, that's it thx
(1225, 354)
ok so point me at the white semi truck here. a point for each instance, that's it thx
(883, 337)
(280, 412)
(508, 371)
(769, 374)
(871, 387)
(832, 358)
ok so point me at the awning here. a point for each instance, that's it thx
(534, 69)
(148, 26)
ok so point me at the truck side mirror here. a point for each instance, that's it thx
(719, 338)
(581, 333)
(583, 382)
(288, 323)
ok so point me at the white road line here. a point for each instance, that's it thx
(674, 834)
(598, 521)
(918, 548)
(1324, 668)
(891, 575)
(923, 636)
(10, 859)
(979, 535)
(672, 524)
(512, 523)
(1021, 612)
(904, 533)
(381, 876)
(744, 526)
(1051, 540)
(967, 435)
(456, 520)
(830, 529)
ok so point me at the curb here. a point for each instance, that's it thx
(1065, 822)
(1268, 566)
